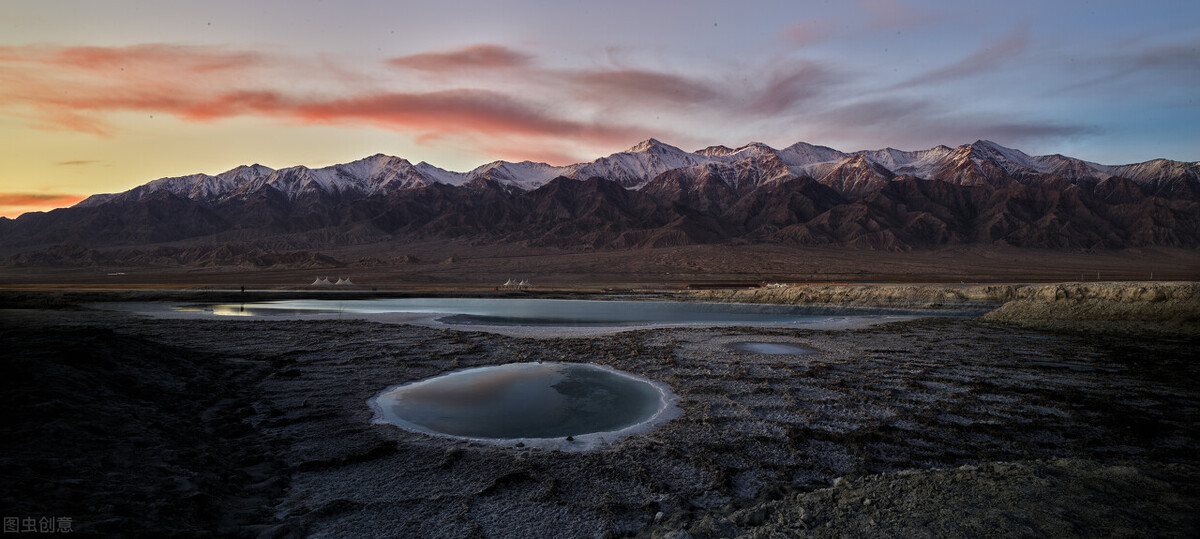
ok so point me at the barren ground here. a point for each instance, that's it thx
(459, 266)
(936, 427)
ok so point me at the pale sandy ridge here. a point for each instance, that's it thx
(1141, 307)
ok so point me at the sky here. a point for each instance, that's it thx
(99, 97)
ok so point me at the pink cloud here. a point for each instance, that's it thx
(156, 56)
(477, 111)
(537, 113)
(75, 88)
(808, 32)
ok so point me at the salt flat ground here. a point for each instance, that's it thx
(933, 427)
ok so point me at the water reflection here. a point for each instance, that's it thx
(252, 309)
(523, 401)
(545, 312)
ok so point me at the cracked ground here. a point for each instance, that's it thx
(764, 444)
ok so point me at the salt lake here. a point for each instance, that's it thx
(564, 314)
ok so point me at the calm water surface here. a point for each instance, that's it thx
(551, 312)
(523, 401)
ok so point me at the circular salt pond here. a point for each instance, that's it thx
(773, 348)
(523, 401)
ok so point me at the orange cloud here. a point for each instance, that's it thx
(74, 88)
(556, 111)
(15, 204)
(479, 111)
(156, 56)
(33, 199)
(481, 56)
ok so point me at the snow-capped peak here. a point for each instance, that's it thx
(244, 173)
(716, 151)
(525, 175)
(648, 144)
(1012, 161)
(441, 175)
(638, 165)
(643, 162)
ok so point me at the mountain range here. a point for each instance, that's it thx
(652, 195)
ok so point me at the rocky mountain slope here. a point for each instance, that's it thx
(655, 195)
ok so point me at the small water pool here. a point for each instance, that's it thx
(526, 402)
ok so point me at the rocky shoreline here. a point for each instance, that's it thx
(933, 427)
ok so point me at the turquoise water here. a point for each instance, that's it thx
(551, 312)
(523, 401)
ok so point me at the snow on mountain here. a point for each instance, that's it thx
(802, 157)
(744, 167)
(1012, 161)
(716, 151)
(441, 175)
(856, 175)
(756, 163)
(920, 164)
(1071, 168)
(369, 176)
(1155, 169)
(525, 175)
(634, 167)
(194, 186)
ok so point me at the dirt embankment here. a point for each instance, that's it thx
(1141, 307)
(1169, 308)
(917, 296)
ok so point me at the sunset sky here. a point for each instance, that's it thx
(103, 96)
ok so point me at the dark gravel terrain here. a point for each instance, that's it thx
(936, 427)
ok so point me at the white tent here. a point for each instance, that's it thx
(345, 281)
(321, 281)
(509, 284)
(524, 284)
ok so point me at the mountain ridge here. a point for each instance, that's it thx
(979, 162)
(651, 195)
